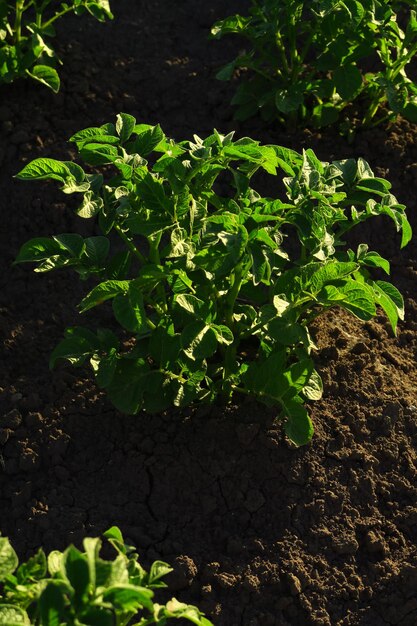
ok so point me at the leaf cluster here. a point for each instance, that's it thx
(216, 285)
(306, 61)
(75, 588)
(26, 26)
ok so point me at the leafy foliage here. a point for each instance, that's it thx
(306, 61)
(216, 290)
(25, 27)
(71, 588)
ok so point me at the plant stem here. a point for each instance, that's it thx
(57, 16)
(155, 258)
(130, 244)
(18, 21)
(231, 350)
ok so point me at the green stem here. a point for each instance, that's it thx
(281, 50)
(57, 16)
(233, 294)
(231, 350)
(20, 7)
(294, 56)
(150, 323)
(130, 244)
(373, 108)
(155, 258)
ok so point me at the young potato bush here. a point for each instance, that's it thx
(74, 588)
(25, 27)
(217, 290)
(306, 61)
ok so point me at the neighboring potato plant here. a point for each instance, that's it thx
(306, 61)
(25, 27)
(74, 588)
(216, 284)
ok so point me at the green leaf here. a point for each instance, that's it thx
(220, 259)
(55, 559)
(287, 332)
(324, 115)
(179, 610)
(390, 299)
(103, 291)
(199, 340)
(227, 71)
(71, 242)
(96, 250)
(357, 298)
(92, 550)
(131, 381)
(187, 307)
(99, 154)
(129, 598)
(158, 570)
(288, 100)
(313, 390)
(348, 81)
(35, 567)
(410, 112)
(41, 169)
(151, 191)
(38, 249)
(104, 368)
(332, 271)
(90, 206)
(11, 615)
(52, 605)
(100, 9)
(77, 571)
(125, 124)
(297, 377)
(298, 426)
(8, 558)
(223, 334)
(265, 378)
(115, 537)
(147, 141)
(407, 232)
(75, 348)
(379, 186)
(46, 75)
(190, 390)
(94, 134)
(165, 347)
(373, 259)
(129, 310)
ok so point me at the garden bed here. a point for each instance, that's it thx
(259, 533)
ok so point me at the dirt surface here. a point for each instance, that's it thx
(259, 533)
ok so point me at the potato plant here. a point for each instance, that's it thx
(25, 28)
(216, 285)
(305, 62)
(74, 588)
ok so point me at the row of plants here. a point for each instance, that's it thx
(26, 28)
(79, 588)
(213, 286)
(303, 63)
(307, 62)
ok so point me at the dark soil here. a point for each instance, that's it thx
(259, 533)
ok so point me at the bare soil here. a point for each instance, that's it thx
(259, 533)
